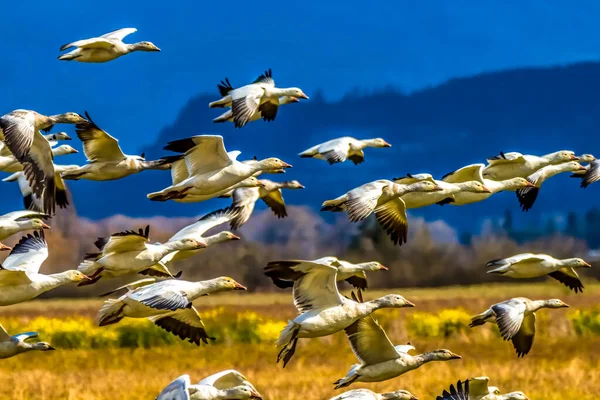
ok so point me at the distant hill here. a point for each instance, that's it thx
(534, 110)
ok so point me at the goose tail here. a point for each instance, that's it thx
(221, 103)
(226, 116)
(286, 334)
(335, 205)
(350, 377)
(480, 319)
(110, 312)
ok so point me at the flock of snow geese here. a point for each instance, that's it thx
(202, 169)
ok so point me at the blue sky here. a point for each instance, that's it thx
(331, 45)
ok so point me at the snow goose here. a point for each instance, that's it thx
(20, 279)
(379, 359)
(260, 96)
(516, 165)
(516, 320)
(130, 252)
(323, 311)
(285, 273)
(10, 346)
(197, 229)
(384, 198)
(591, 174)
(54, 138)
(106, 161)
(244, 199)
(478, 389)
(23, 138)
(473, 172)
(211, 171)
(104, 48)
(18, 221)
(528, 195)
(10, 164)
(366, 394)
(168, 304)
(529, 265)
(342, 149)
(224, 385)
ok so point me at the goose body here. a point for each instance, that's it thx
(11, 346)
(515, 165)
(19, 221)
(260, 96)
(225, 385)
(366, 394)
(106, 160)
(323, 311)
(104, 48)
(527, 265)
(211, 171)
(10, 164)
(384, 198)
(20, 279)
(168, 304)
(516, 320)
(342, 149)
(21, 130)
(478, 389)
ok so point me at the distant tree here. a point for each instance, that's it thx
(466, 238)
(550, 227)
(508, 222)
(592, 227)
(572, 228)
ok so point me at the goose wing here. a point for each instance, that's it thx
(119, 34)
(91, 43)
(98, 145)
(523, 338)
(528, 195)
(461, 392)
(28, 255)
(4, 151)
(413, 178)
(4, 336)
(479, 386)
(592, 175)
(186, 324)
(509, 317)
(13, 278)
(468, 173)
(369, 342)
(164, 295)
(507, 158)
(21, 337)
(179, 171)
(126, 241)
(132, 286)
(266, 78)
(23, 214)
(226, 380)
(392, 218)
(274, 200)
(176, 390)
(568, 277)
(362, 201)
(203, 153)
(335, 151)
(246, 101)
(209, 221)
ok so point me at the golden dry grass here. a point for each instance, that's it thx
(560, 366)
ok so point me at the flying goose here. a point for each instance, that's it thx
(211, 171)
(529, 265)
(20, 279)
(323, 311)
(528, 195)
(590, 175)
(130, 252)
(384, 198)
(516, 165)
(106, 161)
(473, 172)
(224, 385)
(22, 136)
(18, 221)
(104, 48)
(168, 304)
(54, 138)
(285, 273)
(366, 394)
(244, 199)
(478, 389)
(516, 320)
(10, 164)
(260, 96)
(10, 346)
(379, 359)
(342, 149)
(197, 230)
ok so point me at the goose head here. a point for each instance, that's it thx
(587, 158)
(187, 244)
(145, 46)
(37, 223)
(227, 283)
(394, 301)
(443, 355)
(295, 92)
(59, 136)
(373, 266)
(42, 346)
(251, 182)
(75, 276)
(241, 393)
(513, 396)
(377, 142)
(425, 186)
(273, 165)
(220, 237)
(561, 156)
(293, 185)
(63, 150)
(475, 187)
(555, 303)
(573, 166)
(68, 118)
(518, 183)
(398, 395)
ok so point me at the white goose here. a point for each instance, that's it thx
(130, 252)
(516, 320)
(515, 165)
(384, 198)
(474, 172)
(323, 311)
(244, 199)
(285, 273)
(366, 394)
(12, 345)
(225, 385)
(168, 304)
(342, 149)
(197, 229)
(379, 359)
(478, 389)
(55, 138)
(104, 48)
(211, 171)
(20, 279)
(106, 160)
(22, 136)
(592, 163)
(529, 265)
(260, 96)
(10, 164)
(18, 221)
(528, 195)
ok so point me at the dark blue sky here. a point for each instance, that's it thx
(331, 45)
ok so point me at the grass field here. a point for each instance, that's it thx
(561, 365)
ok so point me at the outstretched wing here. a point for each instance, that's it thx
(176, 390)
(369, 342)
(209, 221)
(119, 34)
(226, 380)
(28, 255)
(98, 145)
(468, 173)
(509, 317)
(125, 241)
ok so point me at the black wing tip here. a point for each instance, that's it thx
(180, 145)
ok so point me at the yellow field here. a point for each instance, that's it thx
(561, 365)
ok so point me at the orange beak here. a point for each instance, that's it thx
(587, 265)
(303, 96)
(383, 268)
(486, 190)
(286, 165)
(294, 99)
(87, 278)
(386, 144)
(529, 184)
(4, 247)
(201, 245)
(44, 226)
(234, 237)
(575, 158)
(581, 168)
(237, 286)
